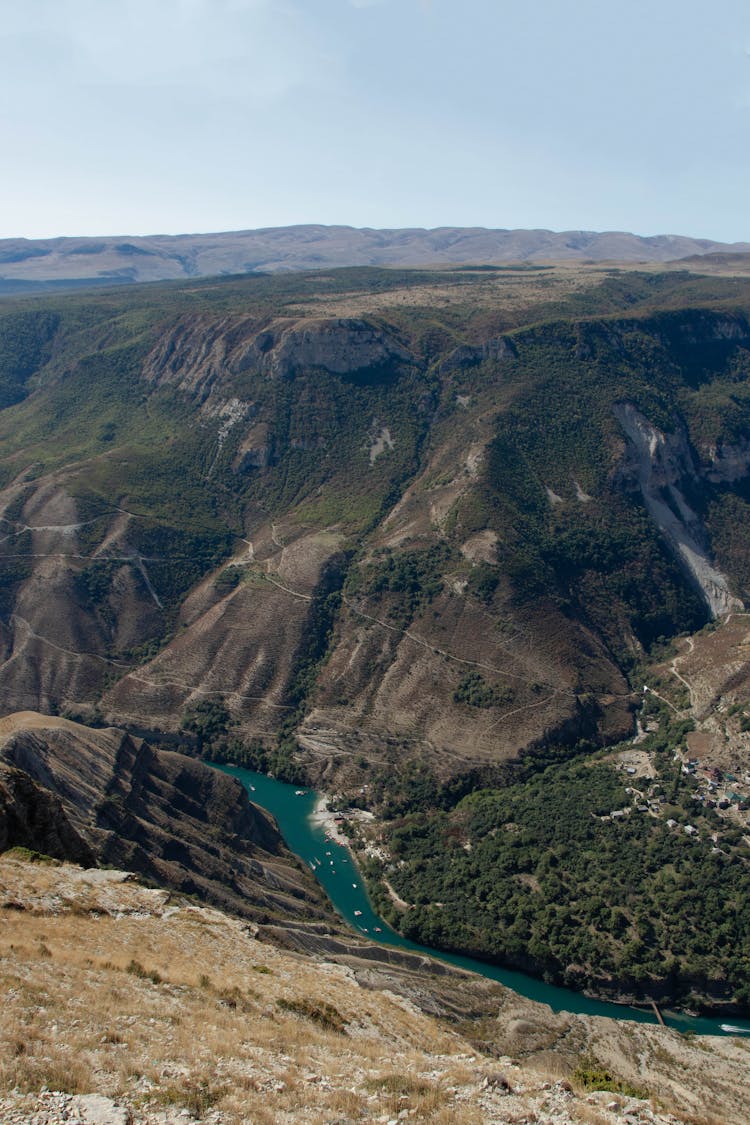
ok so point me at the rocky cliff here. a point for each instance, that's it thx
(660, 464)
(101, 796)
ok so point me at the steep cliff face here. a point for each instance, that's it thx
(661, 463)
(199, 356)
(103, 796)
(33, 817)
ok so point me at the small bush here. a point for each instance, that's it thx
(137, 970)
(322, 1013)
(30, 856)
(591, 1076)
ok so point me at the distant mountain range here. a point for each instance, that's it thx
(74, 261)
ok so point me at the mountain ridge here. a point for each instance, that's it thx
(104, 797)
(120, 259)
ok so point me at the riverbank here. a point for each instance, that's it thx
(322, 817)
(305, 819)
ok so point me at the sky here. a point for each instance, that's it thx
(176, 116)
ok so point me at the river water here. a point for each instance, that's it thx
(336, 871)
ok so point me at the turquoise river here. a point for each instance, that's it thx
(336, 871)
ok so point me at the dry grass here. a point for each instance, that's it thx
(171, 1010)
(507, 291)
(124, 1006)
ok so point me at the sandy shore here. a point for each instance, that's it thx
(322, 817)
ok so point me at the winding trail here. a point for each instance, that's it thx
(194, 689)
(31, 634)
(683, 681)
(287, 589)
(416, 639)
(651, 691)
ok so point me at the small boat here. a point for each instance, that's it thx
(354, 885)
(299, 792)
(252, 788)
(357, 913)
(377, 929)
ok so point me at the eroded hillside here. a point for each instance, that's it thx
(441, 527)
(101, 797)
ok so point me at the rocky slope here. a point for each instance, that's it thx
(661, 464)
(368, 517)
(126, 1005)
(708, 680)
(157, 257)
(103, 797)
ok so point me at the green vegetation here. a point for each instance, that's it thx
(474, 690)
(573, 876)
(25, 340)
(591, 1075)
(322, 1013)
(406, 580)
(209, 720)
(136, 969)
(211, 724)
(28, 855)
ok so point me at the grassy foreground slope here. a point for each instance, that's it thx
(122, 1000)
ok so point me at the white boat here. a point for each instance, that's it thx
(354, 885)
(299, 792)
(357, 913)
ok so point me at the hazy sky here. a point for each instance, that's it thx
(147, 116)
